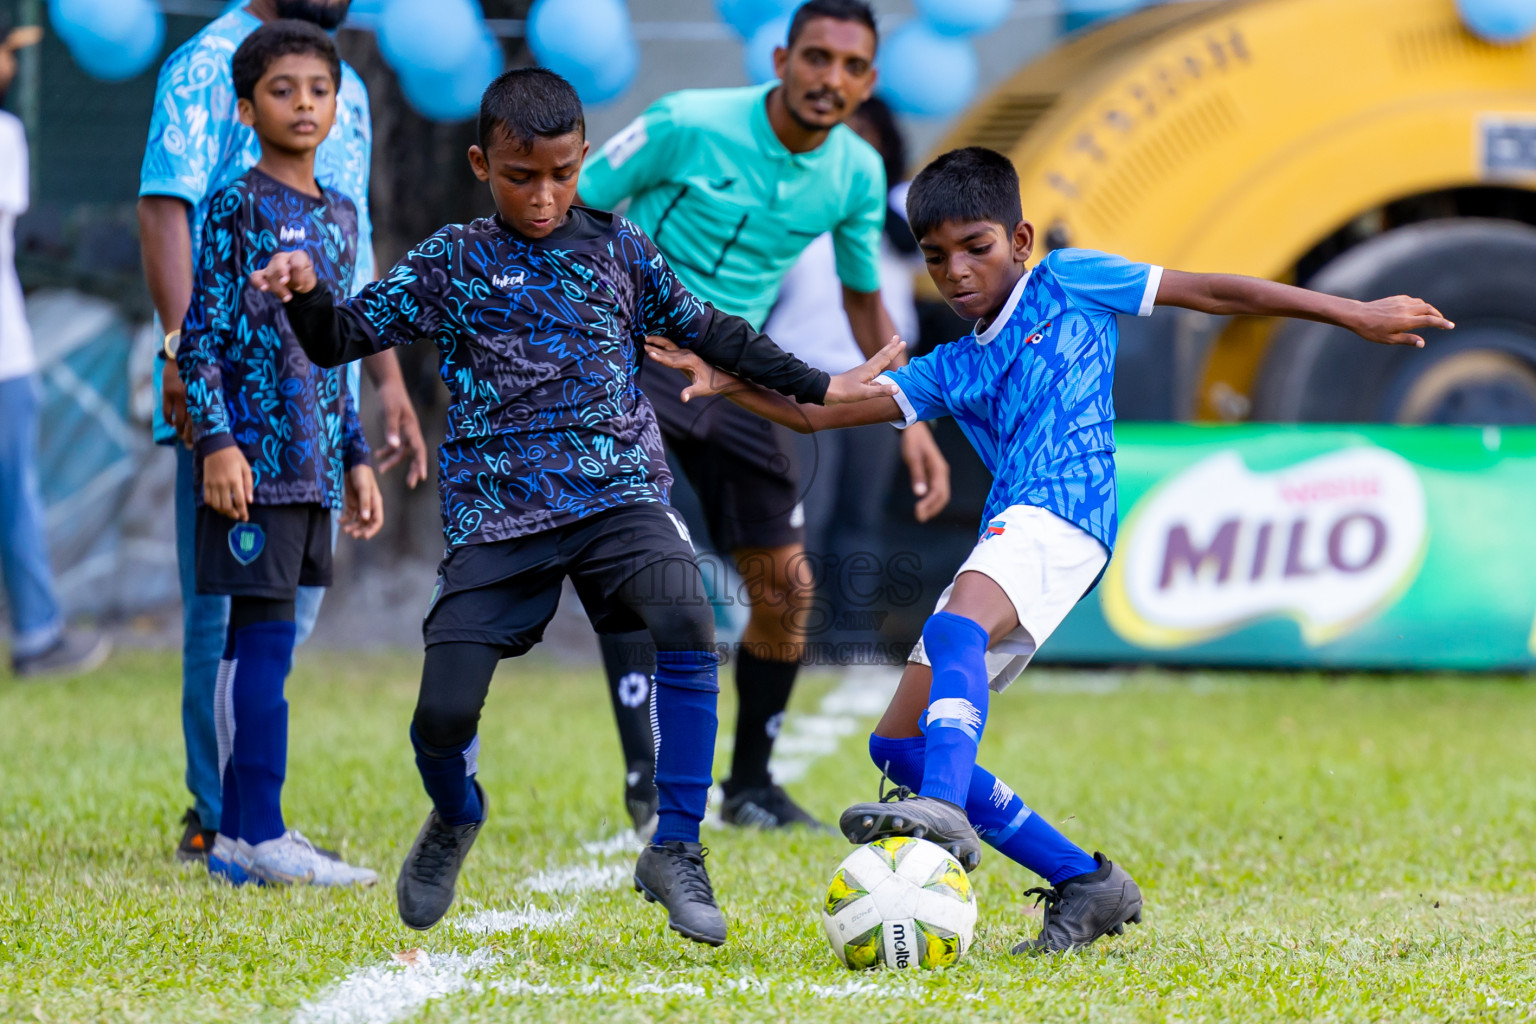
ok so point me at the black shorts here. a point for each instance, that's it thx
(506, 592)
(282, 548)
(742, 467)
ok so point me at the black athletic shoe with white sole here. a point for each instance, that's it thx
(673, 875)
(1081, 910)
(765, 807)
(641, 799)
(196, 841)
(902, 813)
(424, 890)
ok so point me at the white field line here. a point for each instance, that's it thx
(388, 992)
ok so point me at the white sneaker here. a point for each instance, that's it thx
(290, 859)
(230, 860)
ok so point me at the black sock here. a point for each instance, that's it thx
(762, 690)
(630, 661)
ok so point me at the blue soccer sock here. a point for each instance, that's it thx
(263, 655)
(448, 776)
(224, 733)
(995, 811)
(957, 704)
(683, 725)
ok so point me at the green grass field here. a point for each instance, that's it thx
(1310, 849)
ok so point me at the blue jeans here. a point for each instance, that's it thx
(36, 621)
(204, 621)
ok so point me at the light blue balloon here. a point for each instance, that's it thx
(1499, 21)
(926, 73)
(587, 42)
(1077, 13)
(758, 52)
(747, 16)
(439, 36)
(110, 39)
(963, 17)
(455, 95)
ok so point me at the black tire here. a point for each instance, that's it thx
(1480, 273)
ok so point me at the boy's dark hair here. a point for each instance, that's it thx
(838, 10)
(525, 104)
(275, 39)
(974, 183)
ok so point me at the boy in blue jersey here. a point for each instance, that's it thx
(1031, 390)
(277, 442)
(552, 468)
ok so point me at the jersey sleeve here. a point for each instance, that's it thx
(856, 238)
(664, 307)
(1104, 283)
(216, 283)
(920, 390)
(193, 115)
(635, 160)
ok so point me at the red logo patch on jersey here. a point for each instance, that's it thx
(1034, 339)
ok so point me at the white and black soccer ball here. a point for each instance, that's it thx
(901, 902)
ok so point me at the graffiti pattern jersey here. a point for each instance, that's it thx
(1032, 392)
(540, 342)
(248, 381)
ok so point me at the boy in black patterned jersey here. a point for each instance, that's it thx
(552, 468)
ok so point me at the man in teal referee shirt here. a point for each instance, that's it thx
(732, 185)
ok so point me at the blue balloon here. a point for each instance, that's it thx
(430, 37)
(1499, 21)
(759, 49)
(588, 42)
(1078, 13)
(747, 16)
(926, 73)
(963, 17)
(111, 39)
(455, 95)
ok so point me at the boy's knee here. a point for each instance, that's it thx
(946, 634)
(444, 726)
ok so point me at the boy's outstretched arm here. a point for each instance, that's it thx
(1389, 321)
(805, 419)
(328, 337)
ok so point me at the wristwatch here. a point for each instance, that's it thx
(170, 344)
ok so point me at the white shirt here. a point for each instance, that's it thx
(16, 356)
(808, 319)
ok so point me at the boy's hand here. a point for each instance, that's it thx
(706, 380)
(1391, 321)
(288, 273)
(857, 385)
(227, 485)
(362, 511)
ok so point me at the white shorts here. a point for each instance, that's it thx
(1045, 565)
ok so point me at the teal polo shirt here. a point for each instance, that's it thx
(730, 207)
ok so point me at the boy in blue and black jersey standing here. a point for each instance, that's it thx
(277, 442)
(552, 468)
(1031, 389)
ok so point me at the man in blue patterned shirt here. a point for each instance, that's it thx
(553, 468)
(1031, 389)
(196, 146)
(276, 440)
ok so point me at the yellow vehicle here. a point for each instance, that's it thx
(1362, 147)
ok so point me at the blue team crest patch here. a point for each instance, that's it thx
(246, 541)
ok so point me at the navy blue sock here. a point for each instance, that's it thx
(957, 704)
(996, 812)
(683, 725)
(224, 732)
(263, 654)
(448, 776)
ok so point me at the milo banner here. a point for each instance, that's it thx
(1362, 547)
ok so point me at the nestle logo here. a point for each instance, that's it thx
(901, 945)
(288, 234)
(506, 281)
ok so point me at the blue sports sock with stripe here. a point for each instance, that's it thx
(263, 654)
(995, 811)
(224, 732)
(448, 776)
(683, 725)
(957, 704)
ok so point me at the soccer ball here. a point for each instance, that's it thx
(901, 902)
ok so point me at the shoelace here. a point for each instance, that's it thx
(1051, 897)
(436, 853)
(899, 793)
(692, 879)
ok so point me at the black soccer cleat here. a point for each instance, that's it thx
(765, 807)
(903, 813)
(641, 799)
(1083, 909)
(424, 890)
(673, 875)
(196, 841)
